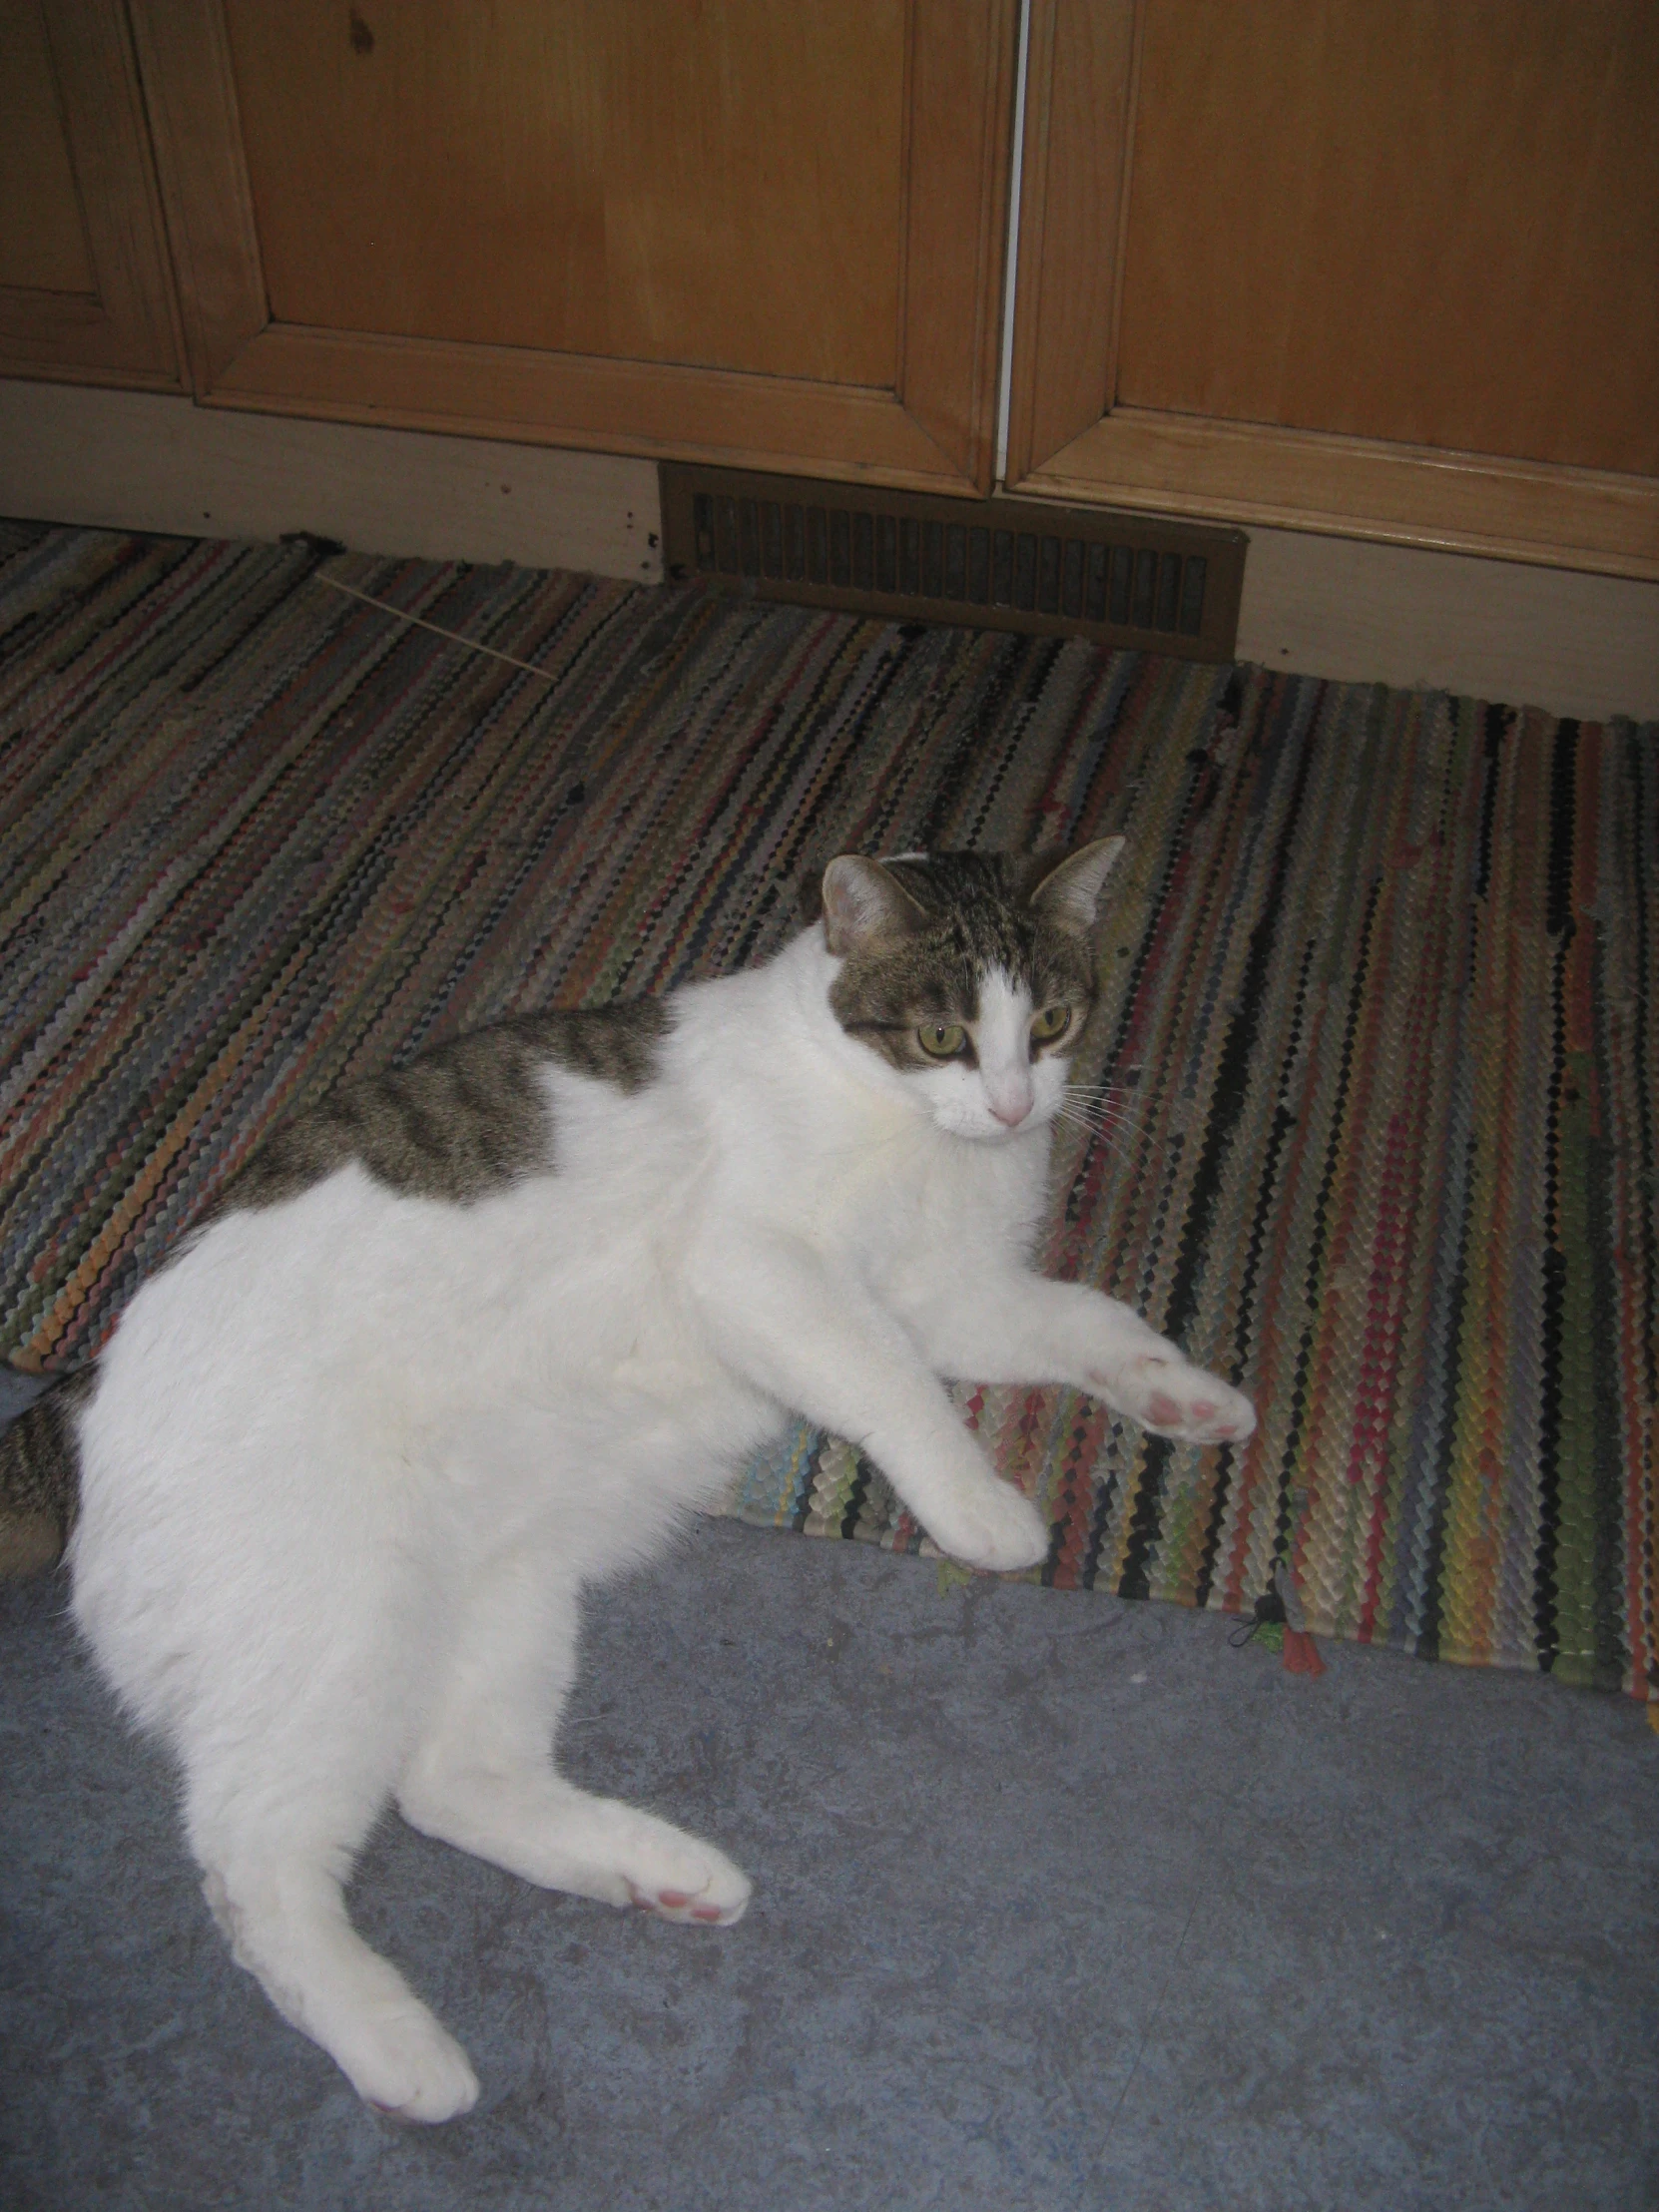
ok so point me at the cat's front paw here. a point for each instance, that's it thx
(990, 1526)
(1171, 1397)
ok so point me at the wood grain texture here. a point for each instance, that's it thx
(1432, 222)
(1526, 511)
(959, 111)
(192, 99)
(1187, 461)
(85, 290)
(43, 239)
(907, 337)
(577, 400)
(716, 184)
(1079, 86)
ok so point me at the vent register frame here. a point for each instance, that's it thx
(1116, 578)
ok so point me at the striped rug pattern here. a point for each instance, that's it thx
(1379, 1007)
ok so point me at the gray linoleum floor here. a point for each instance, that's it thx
(1060, 1903)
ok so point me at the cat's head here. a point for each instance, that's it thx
(969, 976)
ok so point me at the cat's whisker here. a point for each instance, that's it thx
(1119, 1100)
(1102, 1129)
(1102, 1099)
(1101, 1125)
(1121, 1122)
(1113, 1095)
(1107, 1110)
(1122, 1133)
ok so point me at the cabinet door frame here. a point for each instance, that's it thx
(1068, 439)
(127, 330)
(936, 429)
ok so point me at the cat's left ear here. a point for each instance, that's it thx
(1068, 894)
(862, 903)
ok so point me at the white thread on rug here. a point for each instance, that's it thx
(420, 623)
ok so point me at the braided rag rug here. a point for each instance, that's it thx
(1379, 990)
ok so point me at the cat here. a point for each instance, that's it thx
(478, 1333)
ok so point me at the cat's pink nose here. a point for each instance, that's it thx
(1011, 1112)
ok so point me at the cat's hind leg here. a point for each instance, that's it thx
(254, 1568)
(276, 1854)
(482, 1777)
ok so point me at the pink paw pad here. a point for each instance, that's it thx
(1164, 1412)
(674, 1901)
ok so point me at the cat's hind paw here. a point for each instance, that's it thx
(679, 1877)
(1167, 1394)
(683, 1905)
(405, 2067)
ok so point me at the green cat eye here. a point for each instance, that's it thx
(941, 1040)
(1052, 1022)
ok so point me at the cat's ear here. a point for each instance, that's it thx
(862, 902)
(1067, 894)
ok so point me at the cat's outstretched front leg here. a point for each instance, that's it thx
(818, 1342)
(1004, 1326)
(1164, 1391)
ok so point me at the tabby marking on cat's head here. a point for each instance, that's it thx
(969, 976)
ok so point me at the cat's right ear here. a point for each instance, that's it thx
(1068, 894)
(862, 902)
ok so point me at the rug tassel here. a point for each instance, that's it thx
(1300, 1653)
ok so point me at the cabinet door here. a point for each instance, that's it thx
(85, 285)
(1389, 266)
(758, 230)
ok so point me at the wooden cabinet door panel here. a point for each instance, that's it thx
(717, 187)
(86, 291)
(43, 239)
(751, 230)
(1449, 235)
(1385, 265)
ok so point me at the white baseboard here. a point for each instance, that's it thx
(1345, 608)
(132, 460)
(1357, 611)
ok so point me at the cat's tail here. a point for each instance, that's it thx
(40, 1485)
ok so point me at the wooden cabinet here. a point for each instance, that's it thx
(1380, 267)
(1389, 266)
(744, 230)
(85, 287)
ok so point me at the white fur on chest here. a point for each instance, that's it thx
(804, 1140)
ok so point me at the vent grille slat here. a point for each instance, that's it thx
(1121, 579)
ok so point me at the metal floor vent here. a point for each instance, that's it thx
(1004, 564)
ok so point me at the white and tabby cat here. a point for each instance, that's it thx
(478, 1333)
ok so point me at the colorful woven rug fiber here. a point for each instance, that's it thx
(1378, 1004)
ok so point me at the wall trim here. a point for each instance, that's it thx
(1352, 609)
(141, 462)
(1565, 640)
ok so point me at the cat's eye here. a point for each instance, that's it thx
(1052, 1022)
(941, 1040)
